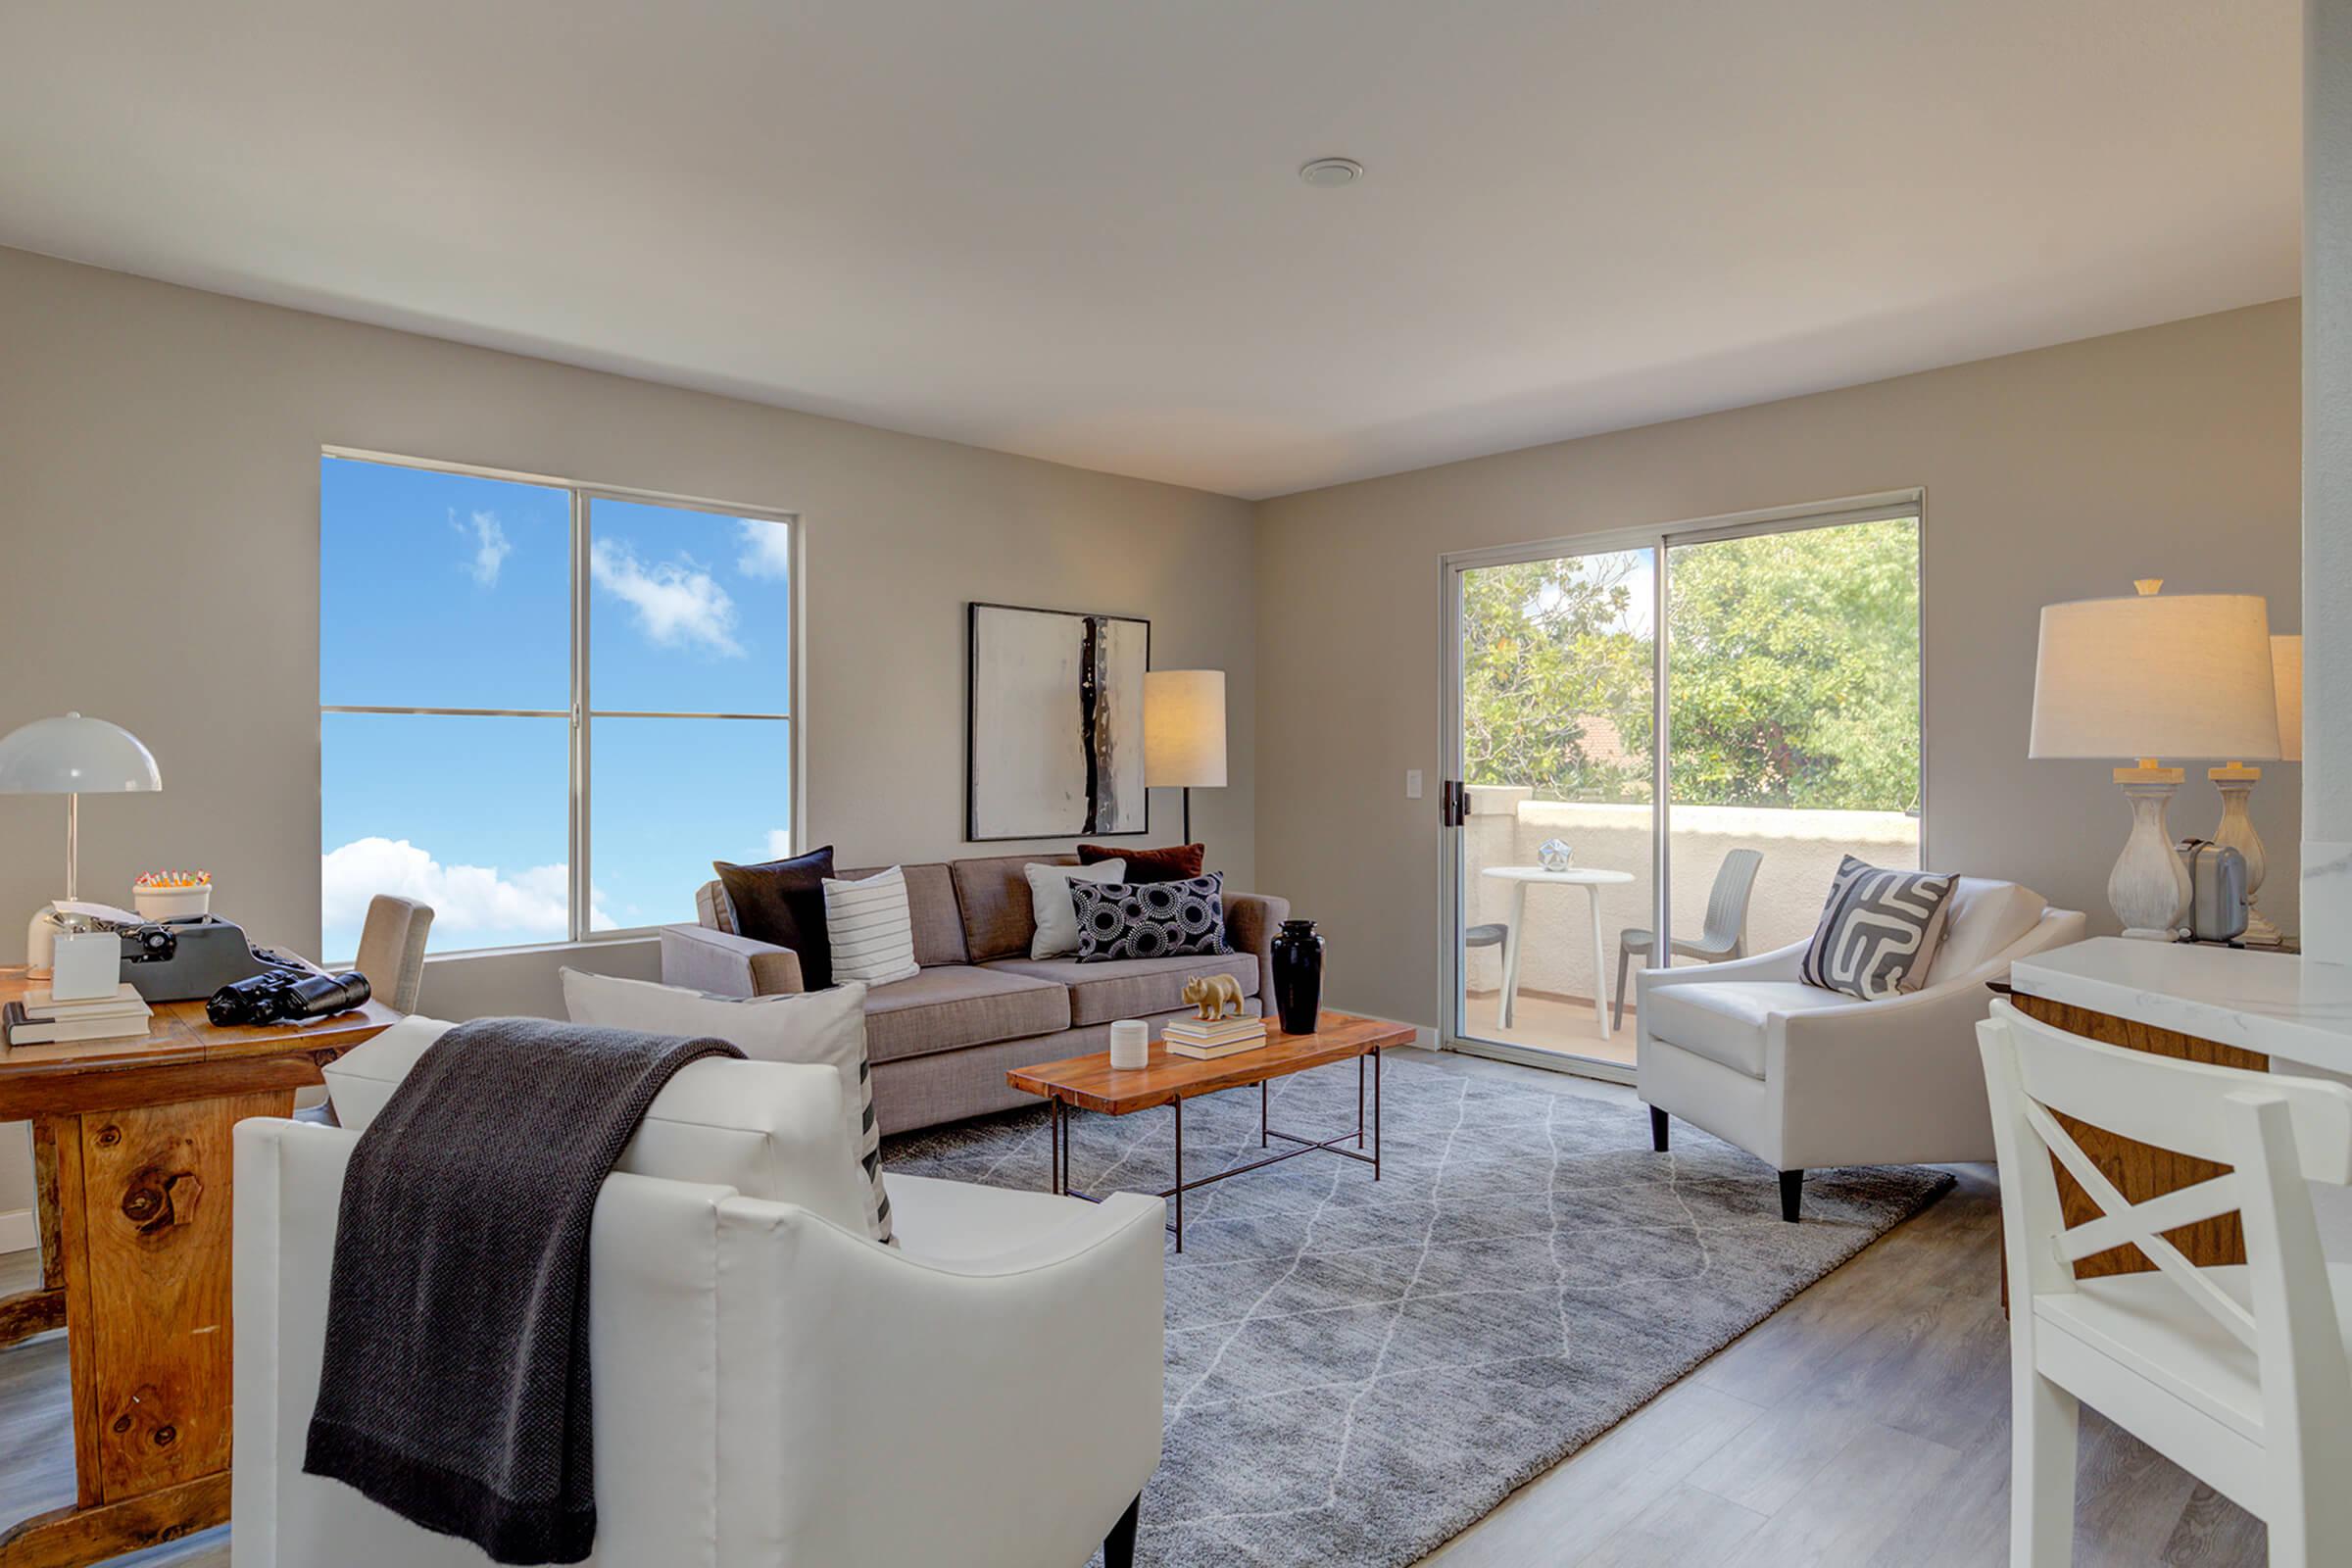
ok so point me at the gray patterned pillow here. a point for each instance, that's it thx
(1878, 931)
(1150, 919)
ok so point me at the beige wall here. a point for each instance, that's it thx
(159, 449)
(2063, 473)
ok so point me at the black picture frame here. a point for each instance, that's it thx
(974, 613)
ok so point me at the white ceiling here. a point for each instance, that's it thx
(1072, 227)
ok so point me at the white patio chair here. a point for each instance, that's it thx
(2238, 1374)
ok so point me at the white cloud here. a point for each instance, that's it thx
(766, 548)
(490, 546)
(533, 903)
(779, 843)
(678, 604)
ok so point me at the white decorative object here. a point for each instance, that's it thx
(182, 900)
(1554, 854)
(86, 966)
(1056, 914)
(1183, 733)
(2145, 678)
(2236, 783)
(1130, 1043)
(70, 757)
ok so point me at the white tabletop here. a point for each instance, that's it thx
(2274, 1002)
(1587, 875)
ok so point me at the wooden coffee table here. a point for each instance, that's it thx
(1094, 1084)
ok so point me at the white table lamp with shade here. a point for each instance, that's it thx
(2237, 781)
(2183, 676)
(1183, 733)
(70, 757)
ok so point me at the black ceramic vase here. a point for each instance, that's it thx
(1297, 976)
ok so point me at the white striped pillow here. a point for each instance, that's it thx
(870, 929)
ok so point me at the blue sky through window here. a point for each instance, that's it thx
(440, 590)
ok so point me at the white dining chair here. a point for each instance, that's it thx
(2238, 1374)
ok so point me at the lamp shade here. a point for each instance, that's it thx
(1184, 728)
(74, 756)
(2180, 675)
(2286, 674)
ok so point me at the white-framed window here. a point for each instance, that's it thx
(545, 707)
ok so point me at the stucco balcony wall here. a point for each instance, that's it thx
(1801, 852)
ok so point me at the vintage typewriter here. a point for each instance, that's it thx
(189, 960)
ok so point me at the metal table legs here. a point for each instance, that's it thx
(1366, 1079)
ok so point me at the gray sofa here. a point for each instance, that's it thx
(940, 1043)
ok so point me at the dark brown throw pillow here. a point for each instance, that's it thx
(1178, 863)
(783, 903)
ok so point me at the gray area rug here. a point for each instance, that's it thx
(1358, 1371)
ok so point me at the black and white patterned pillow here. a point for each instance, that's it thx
(1878, 931)
(1150, 919)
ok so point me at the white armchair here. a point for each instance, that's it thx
(772, 1389)
(1803, 1077)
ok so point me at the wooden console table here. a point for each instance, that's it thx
(2141, 1171)
(131, 1158)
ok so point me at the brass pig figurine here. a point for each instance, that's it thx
(1208, 994)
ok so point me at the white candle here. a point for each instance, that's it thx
(1130, 1043)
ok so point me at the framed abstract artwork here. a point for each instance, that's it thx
(1055, 724)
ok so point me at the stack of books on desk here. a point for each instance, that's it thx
(1193, 1037)
(40, 1020)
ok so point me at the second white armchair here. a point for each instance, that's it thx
(1806, 1078)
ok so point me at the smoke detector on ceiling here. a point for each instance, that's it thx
(1331, 172)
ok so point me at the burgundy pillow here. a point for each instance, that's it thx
(1177, 863)
(782, 903)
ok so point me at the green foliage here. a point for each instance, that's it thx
(1795, 672)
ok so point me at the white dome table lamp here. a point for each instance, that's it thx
(2150, 678)
(2237, 783)
(70, 757)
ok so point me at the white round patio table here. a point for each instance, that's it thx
(1592, 880)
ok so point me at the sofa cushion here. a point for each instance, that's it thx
(994, 894)
(1724, 1020)
(1982, 918)
(782, 903)
(955, 1005)
(1130, 988)
(931, 905)
(1178, 862)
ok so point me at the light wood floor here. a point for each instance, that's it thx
(1542, 1021)
(1865, 1423)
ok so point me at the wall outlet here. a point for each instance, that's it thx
(1412, 783)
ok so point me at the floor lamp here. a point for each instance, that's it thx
(2150, 678)
(1183, 733)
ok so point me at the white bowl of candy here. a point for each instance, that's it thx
(173, 895)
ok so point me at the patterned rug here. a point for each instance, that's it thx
(1358, 1371)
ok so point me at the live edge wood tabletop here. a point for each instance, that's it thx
(131, 1161)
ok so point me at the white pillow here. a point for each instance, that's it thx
(1056, 912)
(826, 1027)
(870, 929)
(768, 1129)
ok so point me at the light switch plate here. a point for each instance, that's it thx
(1412, 783)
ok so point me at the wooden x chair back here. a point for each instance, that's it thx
(2237, 1374)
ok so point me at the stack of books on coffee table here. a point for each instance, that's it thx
(1195, 1037)
(40, 1020)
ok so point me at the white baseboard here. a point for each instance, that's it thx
(17, 1231)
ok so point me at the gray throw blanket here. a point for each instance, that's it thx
(455, 1388)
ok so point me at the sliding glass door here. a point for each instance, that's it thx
(1777, 660)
